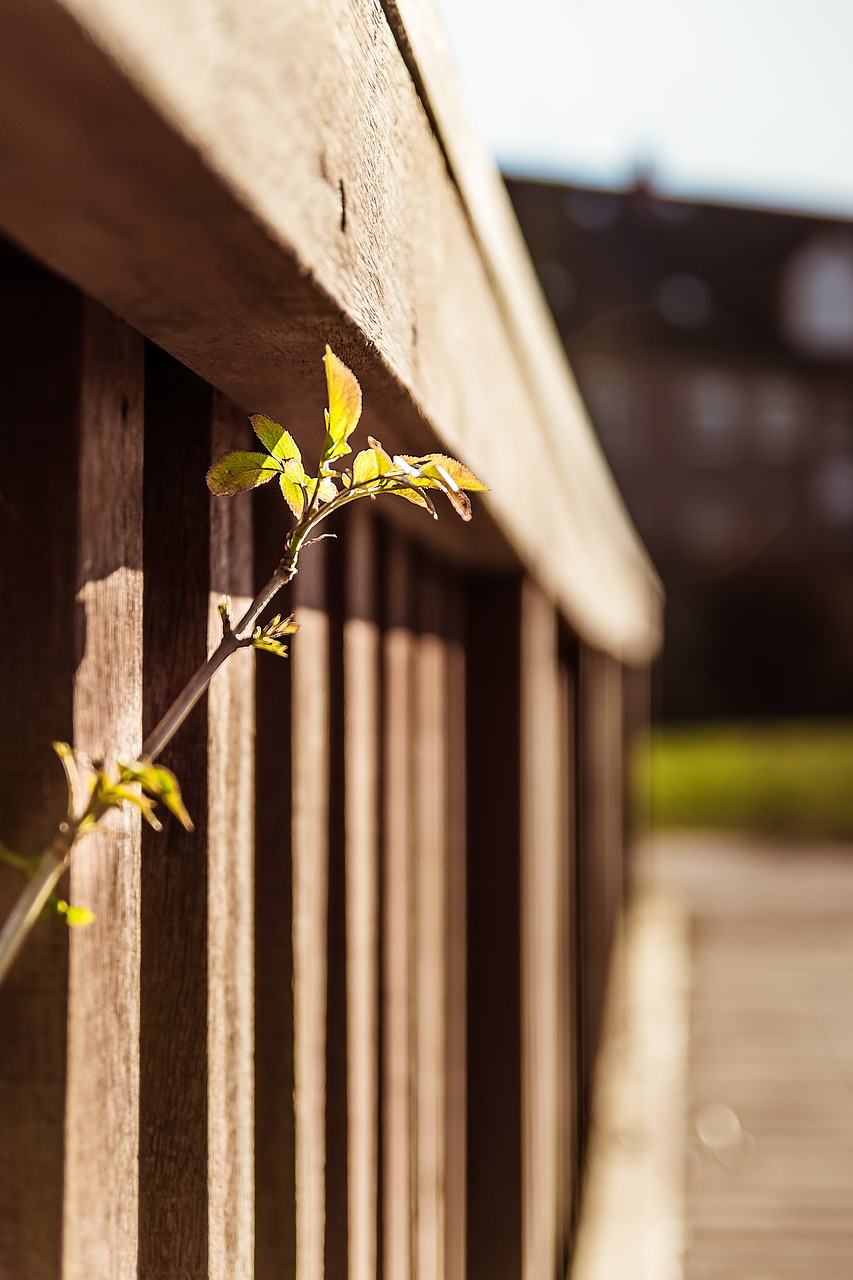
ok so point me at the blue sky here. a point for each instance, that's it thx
(744, 100)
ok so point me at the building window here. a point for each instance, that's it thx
(817, 296)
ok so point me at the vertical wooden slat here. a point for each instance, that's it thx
(275, 1169)
(568, 960)
(310, 781)
(102, 1110)
(540, 898)
(337, 1014)
(430, 924)
(493, 770)
(456, 1046)
(361, 791)
(397, 1112)
(40, 333)
(230, 887)
(173, 1156)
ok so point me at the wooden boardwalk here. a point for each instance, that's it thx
(769, 1125)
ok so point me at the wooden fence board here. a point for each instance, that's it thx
(40, 330)
(493, 710)
(540, 781)
(398, 1154)
(275, 1170)
(430, 918)
(173, 1150)
(102, 1109)
(455, 1038)
(230, 883)
(310, 807)
(362, 741)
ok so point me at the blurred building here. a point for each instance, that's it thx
(714, 347)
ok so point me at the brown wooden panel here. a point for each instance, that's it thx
(275, 1170)
(569, 1152)
(601, 827)
(398, 1153)
(493, 772)
(430, 922)
(456, 1013)
(173, 1152)
(310, 845)
(541, 760)
(102, 1111)
(40, 341)
(362, 741)
(230, 882)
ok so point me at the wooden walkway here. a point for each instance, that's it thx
(766, 1124)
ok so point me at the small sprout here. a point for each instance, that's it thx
(270, 636)
(75, 917)
(225, 615)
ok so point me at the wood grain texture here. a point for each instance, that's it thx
(362, 741)
(568, 964)
(174, 1139)
(166, 218)
(310, 844)
(431, 841)
(398, 995)
(541, 760)
(40, 326)
(102, 1109)
(230, 884)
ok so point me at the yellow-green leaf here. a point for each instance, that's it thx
(412, 495)
(237, 472)
(76, 917)
(384, 461)
(452, 469)
(344, 408)
(365, 467)
(280, 443)
(293, 494)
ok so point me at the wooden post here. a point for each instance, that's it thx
(102, 1110)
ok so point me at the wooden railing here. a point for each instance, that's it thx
(348, 1025)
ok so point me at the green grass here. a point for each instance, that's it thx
(786, 779)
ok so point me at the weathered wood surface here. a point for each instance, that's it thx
(230, 883)
(310, 844)
(102, 1109)
(312, 201)
(398, 923)
(362, 739)
(770, 1188)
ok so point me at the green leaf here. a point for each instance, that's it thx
(237, 472)
(124, 793)
(160, 784)
(280, 443)
(365, 467)
(344, 408)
